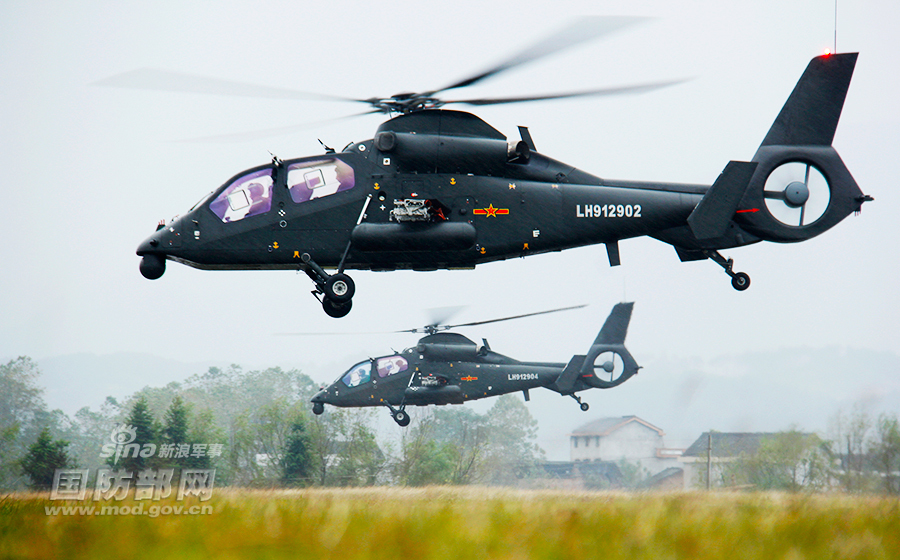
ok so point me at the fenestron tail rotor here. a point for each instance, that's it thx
(797, 193)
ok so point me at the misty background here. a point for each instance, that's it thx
(89, 171)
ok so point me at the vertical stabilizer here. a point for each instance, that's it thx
(810, 115)
(616, 326)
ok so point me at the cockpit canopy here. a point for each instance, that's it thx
(250, 194)
(362, 372)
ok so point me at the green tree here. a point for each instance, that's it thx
(175, 429)
(789, 461)
(358, 458)
(259, 441)
(297, 464)
(885, 451)
(43, 458)
(632, 474)
(464, 435)
(423, 460)
(142, 422)
(175, 424)
(849, 434)
(21, 409)
(204, 431)
(513, 451)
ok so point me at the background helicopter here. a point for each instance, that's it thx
(439, 189)
(448, 368)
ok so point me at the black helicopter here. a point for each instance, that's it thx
(442, 189)
(448, 368)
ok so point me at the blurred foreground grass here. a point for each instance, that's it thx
(438, 522)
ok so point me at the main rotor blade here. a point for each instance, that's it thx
(621, 90)
(164, 80)
(580, 31)
(440, 315)
(270, 132)
(333, 333)
(445, 327)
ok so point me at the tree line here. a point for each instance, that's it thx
(861, 454)
(256, 430)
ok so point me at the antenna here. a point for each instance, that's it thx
(835, 26)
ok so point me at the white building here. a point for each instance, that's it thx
(623, 437)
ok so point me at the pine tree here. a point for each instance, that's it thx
(296, 456)
(43, 458)
(175, 429)
(141, 420)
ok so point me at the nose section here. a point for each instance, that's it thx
(153, 250)
(319, 400)
(152, 266)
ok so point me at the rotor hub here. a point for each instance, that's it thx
(796, 194)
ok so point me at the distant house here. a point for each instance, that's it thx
(623, 437)
(714, 451)
(671, 478)
(568, 475)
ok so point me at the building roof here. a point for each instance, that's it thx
(606, 426)
(726, 444)
(663, 477)
(596, 469)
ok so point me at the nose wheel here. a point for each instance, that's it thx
(336, 290)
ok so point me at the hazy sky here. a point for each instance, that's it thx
(89, 171)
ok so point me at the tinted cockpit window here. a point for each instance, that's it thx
(318, 178)
(391, 365)
(246, 196)
(358, 374)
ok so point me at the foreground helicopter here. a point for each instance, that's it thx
(448, 368)
(442, 189)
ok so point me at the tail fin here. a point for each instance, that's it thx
(608, 363)
(796, 186)
(616, 326)
(810, 115)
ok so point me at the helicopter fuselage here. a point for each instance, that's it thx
(439, 189)
(448, 368)
(395, 215)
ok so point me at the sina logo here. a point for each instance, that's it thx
(122, 437)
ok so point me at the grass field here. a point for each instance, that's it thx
(438, 522)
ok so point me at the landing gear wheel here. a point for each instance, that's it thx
(740, 281)
(336, 310)
(339, 288)
(318, 408)
(585, 406)
(402, 418)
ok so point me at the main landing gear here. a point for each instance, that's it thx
(740, 281)
(336, 289)
(399, 414)
(583, 405)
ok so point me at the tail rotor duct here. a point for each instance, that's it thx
(797, 193)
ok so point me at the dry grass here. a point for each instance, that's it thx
(469, 522)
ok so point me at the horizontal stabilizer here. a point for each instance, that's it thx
(711, 217)
(616, 326)
(566, 382)
(810, 115)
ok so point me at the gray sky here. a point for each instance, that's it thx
(89, 171)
